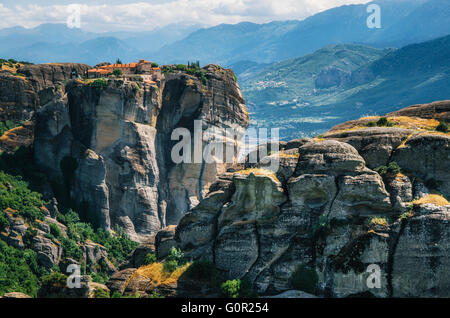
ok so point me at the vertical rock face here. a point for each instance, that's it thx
(23, 93)
(334, 214)
(111, 146)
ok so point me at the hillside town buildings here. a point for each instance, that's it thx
(143, 70)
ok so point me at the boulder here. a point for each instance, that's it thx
(48, 252)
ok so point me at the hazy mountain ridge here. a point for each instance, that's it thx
(403, 22)
(56, 42)
(278, 41)
(288, 95)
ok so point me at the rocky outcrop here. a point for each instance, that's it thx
(33, 86)
(437, 110)
(15, 138)
(137, 257)
(24, 92)
(44, 77)
(110, 145)
(48, 252)
(427, 156)
(331, 212)
(375, 145)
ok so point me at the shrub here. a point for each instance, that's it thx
(117, 72)
(181, 67)
(116, 294)
(100, 83)
(101, 293)
(55, 279)
(384, 122)
(155, 64)
(442, 127)
(231, 288)
(100, 278)
(392, 169)
(150, 258)
(154, 295)
(170, 266)
(305, 279)
(371, 124)
(68, 218)
(4, 222)
(176, 255)
(55, 231)
(71, 249)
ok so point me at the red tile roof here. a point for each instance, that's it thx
(98, 70)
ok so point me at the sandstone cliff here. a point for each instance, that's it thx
(24, 92)
(109, 145)
(328, 209)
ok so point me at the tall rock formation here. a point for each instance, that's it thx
(108, 144)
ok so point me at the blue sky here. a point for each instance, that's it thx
(112, 15)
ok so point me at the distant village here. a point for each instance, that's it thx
(145, 71)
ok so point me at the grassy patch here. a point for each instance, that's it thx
(258, 172)
(379, 221)
(435, 199)
(158, 275)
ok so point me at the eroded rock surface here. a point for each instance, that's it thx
(327, 208)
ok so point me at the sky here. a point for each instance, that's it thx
(114, 15)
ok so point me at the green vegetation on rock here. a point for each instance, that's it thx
(443, 127)
(150, 258)
(15, 195)
(237, 288)
(391, 169)
(19, 270)
(174, 260)
(7, 125)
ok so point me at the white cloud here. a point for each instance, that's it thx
(144, 15)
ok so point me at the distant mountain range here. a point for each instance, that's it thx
(306, 96)
(56, 42)
(403, 22)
